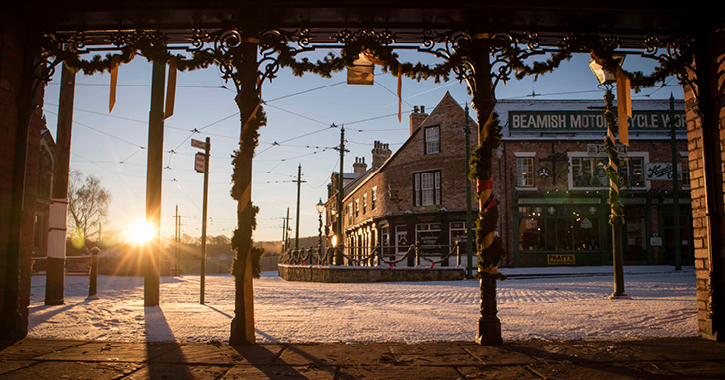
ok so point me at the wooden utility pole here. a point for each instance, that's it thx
(297, 225)
(55, 277)
(207, 148)
(154, 174)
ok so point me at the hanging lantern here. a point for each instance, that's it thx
(604, 76)
(361, 71)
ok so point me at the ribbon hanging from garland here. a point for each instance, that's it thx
(171, 89)
(624, 105)
(115, 62)
(376, 61)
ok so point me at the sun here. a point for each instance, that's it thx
(141, 232)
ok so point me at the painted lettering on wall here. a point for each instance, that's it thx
(569, 121)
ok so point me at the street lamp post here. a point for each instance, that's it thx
(616, 219)
(320, 208)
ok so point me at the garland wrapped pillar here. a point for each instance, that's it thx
(248, 100)
(489, 327)
(616, 218)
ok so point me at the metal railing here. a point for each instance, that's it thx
(312, 256)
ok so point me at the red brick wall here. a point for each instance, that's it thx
(716, 90)
(397, 174)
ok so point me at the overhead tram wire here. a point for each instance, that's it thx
(102, 132)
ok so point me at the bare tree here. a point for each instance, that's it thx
(88, 203)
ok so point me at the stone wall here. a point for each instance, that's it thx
(340, 274)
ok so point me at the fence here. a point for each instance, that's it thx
(312, 256)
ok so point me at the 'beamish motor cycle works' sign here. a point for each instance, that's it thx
(587, 121)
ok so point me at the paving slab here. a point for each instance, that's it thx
(683, 369)
(173, 371)
(498, 355)
(384, 372)
(13, 365)
(111, 351)
(221, 354)
(247, 372)
(336, 354)
(72, 370)
(29, 348)
(497, 372)
(436, 353)
(589, 371)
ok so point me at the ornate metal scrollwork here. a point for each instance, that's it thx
(677, 56)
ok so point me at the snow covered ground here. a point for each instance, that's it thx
(663, 305)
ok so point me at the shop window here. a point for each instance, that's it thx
(631, 169)
(525, 172)
(555, 228)
(589, 171)
(427, 188)
(432, 140)
(429, 237)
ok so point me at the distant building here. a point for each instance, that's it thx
(415, 194)
(552, 187)
(549, 180)
(44, 190)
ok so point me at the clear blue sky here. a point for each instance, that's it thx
(109, 145)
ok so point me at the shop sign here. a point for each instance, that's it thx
(662, 171)
(586, 223)
(655, 240)
(560, 259)
(598, 149)
(589, 121)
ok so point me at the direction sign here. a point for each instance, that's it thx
(199, 162)
(198, 144)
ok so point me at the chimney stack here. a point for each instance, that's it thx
(417, 117)
(359, 166)
(381, 153)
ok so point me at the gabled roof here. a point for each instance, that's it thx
(445, 102)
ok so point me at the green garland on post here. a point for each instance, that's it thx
(487, 220)
(248, 217)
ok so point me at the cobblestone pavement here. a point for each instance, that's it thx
(664, 358)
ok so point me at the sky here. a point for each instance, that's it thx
(300, 112)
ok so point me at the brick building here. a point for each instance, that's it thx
(552, 187)
(414, 194)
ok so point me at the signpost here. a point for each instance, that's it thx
(201, 165)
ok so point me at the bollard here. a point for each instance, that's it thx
(458, 255)
(93, 274)
(417, 253)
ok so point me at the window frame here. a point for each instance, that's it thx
(605, 159)
(526, 156)
(426, 141)
(418, 191)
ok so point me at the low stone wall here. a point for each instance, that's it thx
(322, 273)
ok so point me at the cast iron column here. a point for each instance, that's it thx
(248, 100)
(484, 101)
(57, 218)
